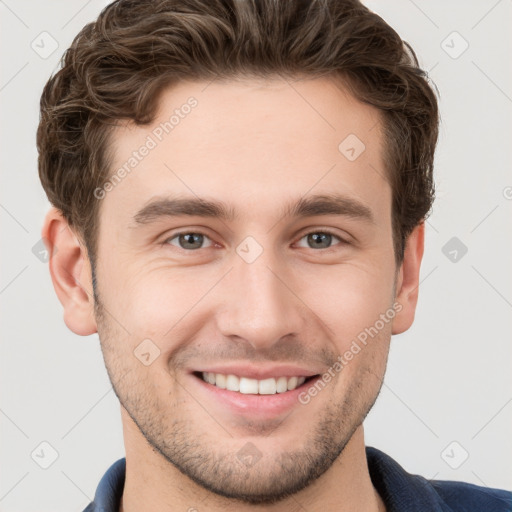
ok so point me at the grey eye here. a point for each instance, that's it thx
(188, 241)
(319, 239)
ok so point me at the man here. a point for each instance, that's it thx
(239, 193)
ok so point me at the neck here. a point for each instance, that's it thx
(153, 484)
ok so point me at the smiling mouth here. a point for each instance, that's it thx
(248, 386)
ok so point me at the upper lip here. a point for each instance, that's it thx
(259, 372)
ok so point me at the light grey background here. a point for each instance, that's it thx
(448, 378)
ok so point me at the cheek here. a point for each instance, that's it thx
(348, 298)
(156, 302)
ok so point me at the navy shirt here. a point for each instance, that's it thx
(400, 491)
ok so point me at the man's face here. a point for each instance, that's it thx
(264, 291)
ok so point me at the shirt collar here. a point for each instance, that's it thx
(400, 490)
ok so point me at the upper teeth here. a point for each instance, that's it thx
(253, 386)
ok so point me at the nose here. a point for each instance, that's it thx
(259, 305)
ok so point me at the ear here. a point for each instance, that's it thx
(407, 282)
(71, 275)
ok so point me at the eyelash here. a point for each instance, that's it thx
(316, 231)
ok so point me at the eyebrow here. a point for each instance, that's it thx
(313, 205)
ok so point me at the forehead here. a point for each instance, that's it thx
(241, 140)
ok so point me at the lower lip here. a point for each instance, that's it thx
(262, 406)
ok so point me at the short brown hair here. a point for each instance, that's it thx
(117, 65)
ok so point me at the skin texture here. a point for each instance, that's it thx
(256, 145)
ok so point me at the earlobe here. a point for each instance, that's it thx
(407, 283)
(70, 273)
